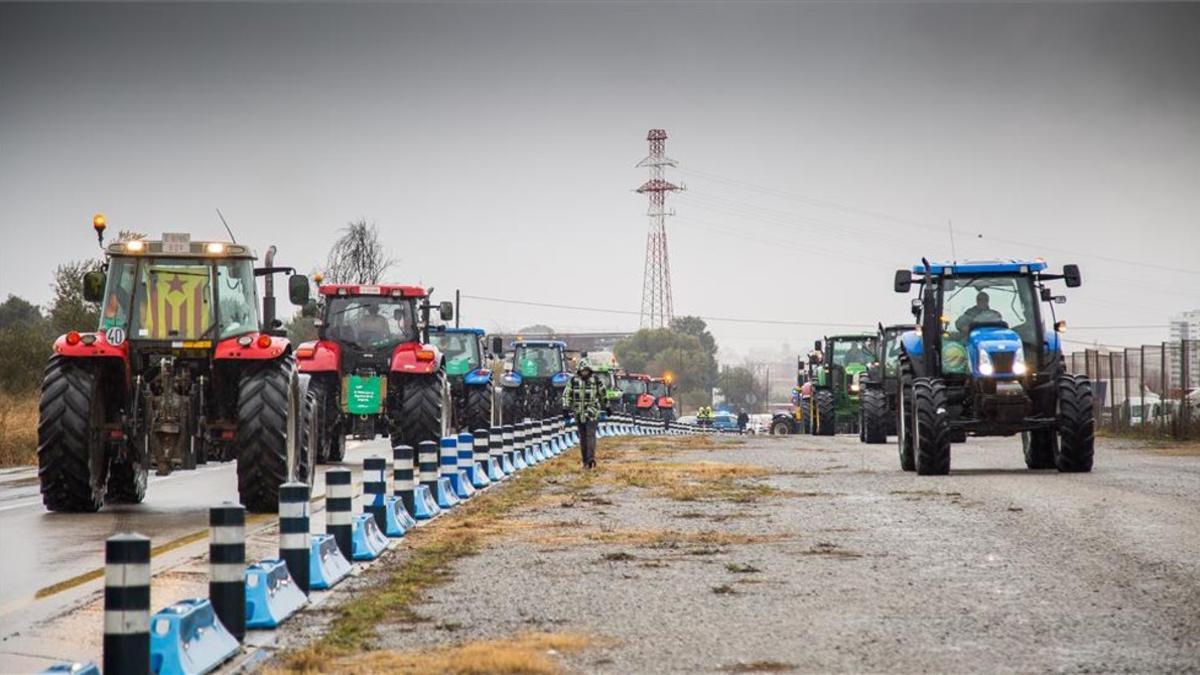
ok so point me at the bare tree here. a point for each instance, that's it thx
(358, 257)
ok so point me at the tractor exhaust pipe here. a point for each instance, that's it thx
(269, 292)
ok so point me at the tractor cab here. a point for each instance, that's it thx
(467, 370)
(984, 355)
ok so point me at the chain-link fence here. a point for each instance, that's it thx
(1153, 388)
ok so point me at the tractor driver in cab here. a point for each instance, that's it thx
(373, 328)
(980, 313)
(856, 354)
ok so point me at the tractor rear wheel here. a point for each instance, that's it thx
(423, 404)
(931, 428)
(331, 438)
(510, 411)
(477, 413)
(72, 468)
(904, 432)
(780, 428)
(874, 416)
(262, 423)
(1076, 425)
(1040, 446)
(825, 419)
(804, 418)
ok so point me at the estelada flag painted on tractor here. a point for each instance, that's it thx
(178, 303)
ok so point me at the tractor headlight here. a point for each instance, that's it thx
(1019, 361)
(985, 364)
(854, 388)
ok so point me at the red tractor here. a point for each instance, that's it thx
(180, 371)
(664, 403)
(373, 368)
(638, 399)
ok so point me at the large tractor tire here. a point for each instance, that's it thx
(804, 418)
(780, 428)
(825, 420)
(1039, 446)
(262, 435)
(931, 427)
(1076, 425)
(331, 438)
(874, 416)
(477, 413)
(423, 405)
(72, 468)
(903, 423)
(510, 409)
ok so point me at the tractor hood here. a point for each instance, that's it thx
(995, 352)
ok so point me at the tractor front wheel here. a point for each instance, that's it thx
(72, 468)
(1076, 425)
(931, 428)
(825, 420)
(262, 435)
(477, 413)
(780, 428)
(874, 416)
(331, 438)
(422, 406)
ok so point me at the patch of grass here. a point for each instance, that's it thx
(825, 548)
(1174, 449)
(708, 550)
(724, 589)
(619, 556)
(18, 429)
(689, 481)
(760, 667)
(738, 568)
(528, 654)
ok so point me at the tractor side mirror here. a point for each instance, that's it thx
(298, 289)
(817, 345)
(497, 346)
(903, 281)
(446, 310)
(1071, 276)
(93, 286)
(309, 309)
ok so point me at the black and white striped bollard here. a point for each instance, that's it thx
(339, 509)
(403, 479)
(227, 566)
(481, 454)
(375, 490)
(127, 604)
(506, 439)
(294, 530)
(427, 456)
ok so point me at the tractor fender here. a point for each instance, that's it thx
(232, 349)
(412, 358)
(1053, 342)
(560, 379)
(912, 343)
(477, 377)
(645, 401)
(666, 402)
(319, 356)
(100, 347)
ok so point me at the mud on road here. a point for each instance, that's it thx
(796, 554)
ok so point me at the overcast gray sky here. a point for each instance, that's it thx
(494, 145)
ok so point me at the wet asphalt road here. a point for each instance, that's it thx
(39, 549)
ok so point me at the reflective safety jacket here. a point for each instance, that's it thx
(585, 398)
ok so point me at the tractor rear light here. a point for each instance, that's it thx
(116, 434)
(88, 339)
(73, 338)
(263, 341)
(245, 340)
(227, 435)
(305, 352)
(425, 355)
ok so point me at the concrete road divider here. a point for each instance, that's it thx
(326, 564)
(272, 595)
(127, 604)
(507, 462)
(519, 459)
(390, 515)
(227, 566)
(495, 463)
(479, 462)
(404, 481)
(293, 533)
(187, 638)
(369, 540)
(467, 464)
(452, 468)
(339, 509)
(425, 502)
(444, 492)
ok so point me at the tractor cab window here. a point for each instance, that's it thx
(173, 300)
(237, 298)
(533, 361)
(118, 293)
(891, 354)
(846, 352)
(367, 322)
(629, 385)
(974, 301)
(460, 349)
(658, 389)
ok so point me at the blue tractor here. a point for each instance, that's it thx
(983, 363)
(468, 374)
(533, 388)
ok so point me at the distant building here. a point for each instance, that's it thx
(1185, 326)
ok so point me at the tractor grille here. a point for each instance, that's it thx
(1003, 362)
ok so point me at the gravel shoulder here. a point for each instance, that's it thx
(819, 554)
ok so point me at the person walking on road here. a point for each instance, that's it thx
(743, 419)
(583, 398)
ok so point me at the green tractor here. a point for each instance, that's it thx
(878, 395)
(836, 373)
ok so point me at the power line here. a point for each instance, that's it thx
(579, 308)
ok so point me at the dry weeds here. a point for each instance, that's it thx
(18, 429)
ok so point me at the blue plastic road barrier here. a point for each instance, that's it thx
(339, 508)
(396, 521)
(326, 564)
(450, 471)
(506, 452)
(187, 638)
(271, 595)
(479, 462)
(519, 462)
(404, 475)
(425, 505)
(127, 604)
(495, 466)
(369, 541)
(539, 442)
(76, 668)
